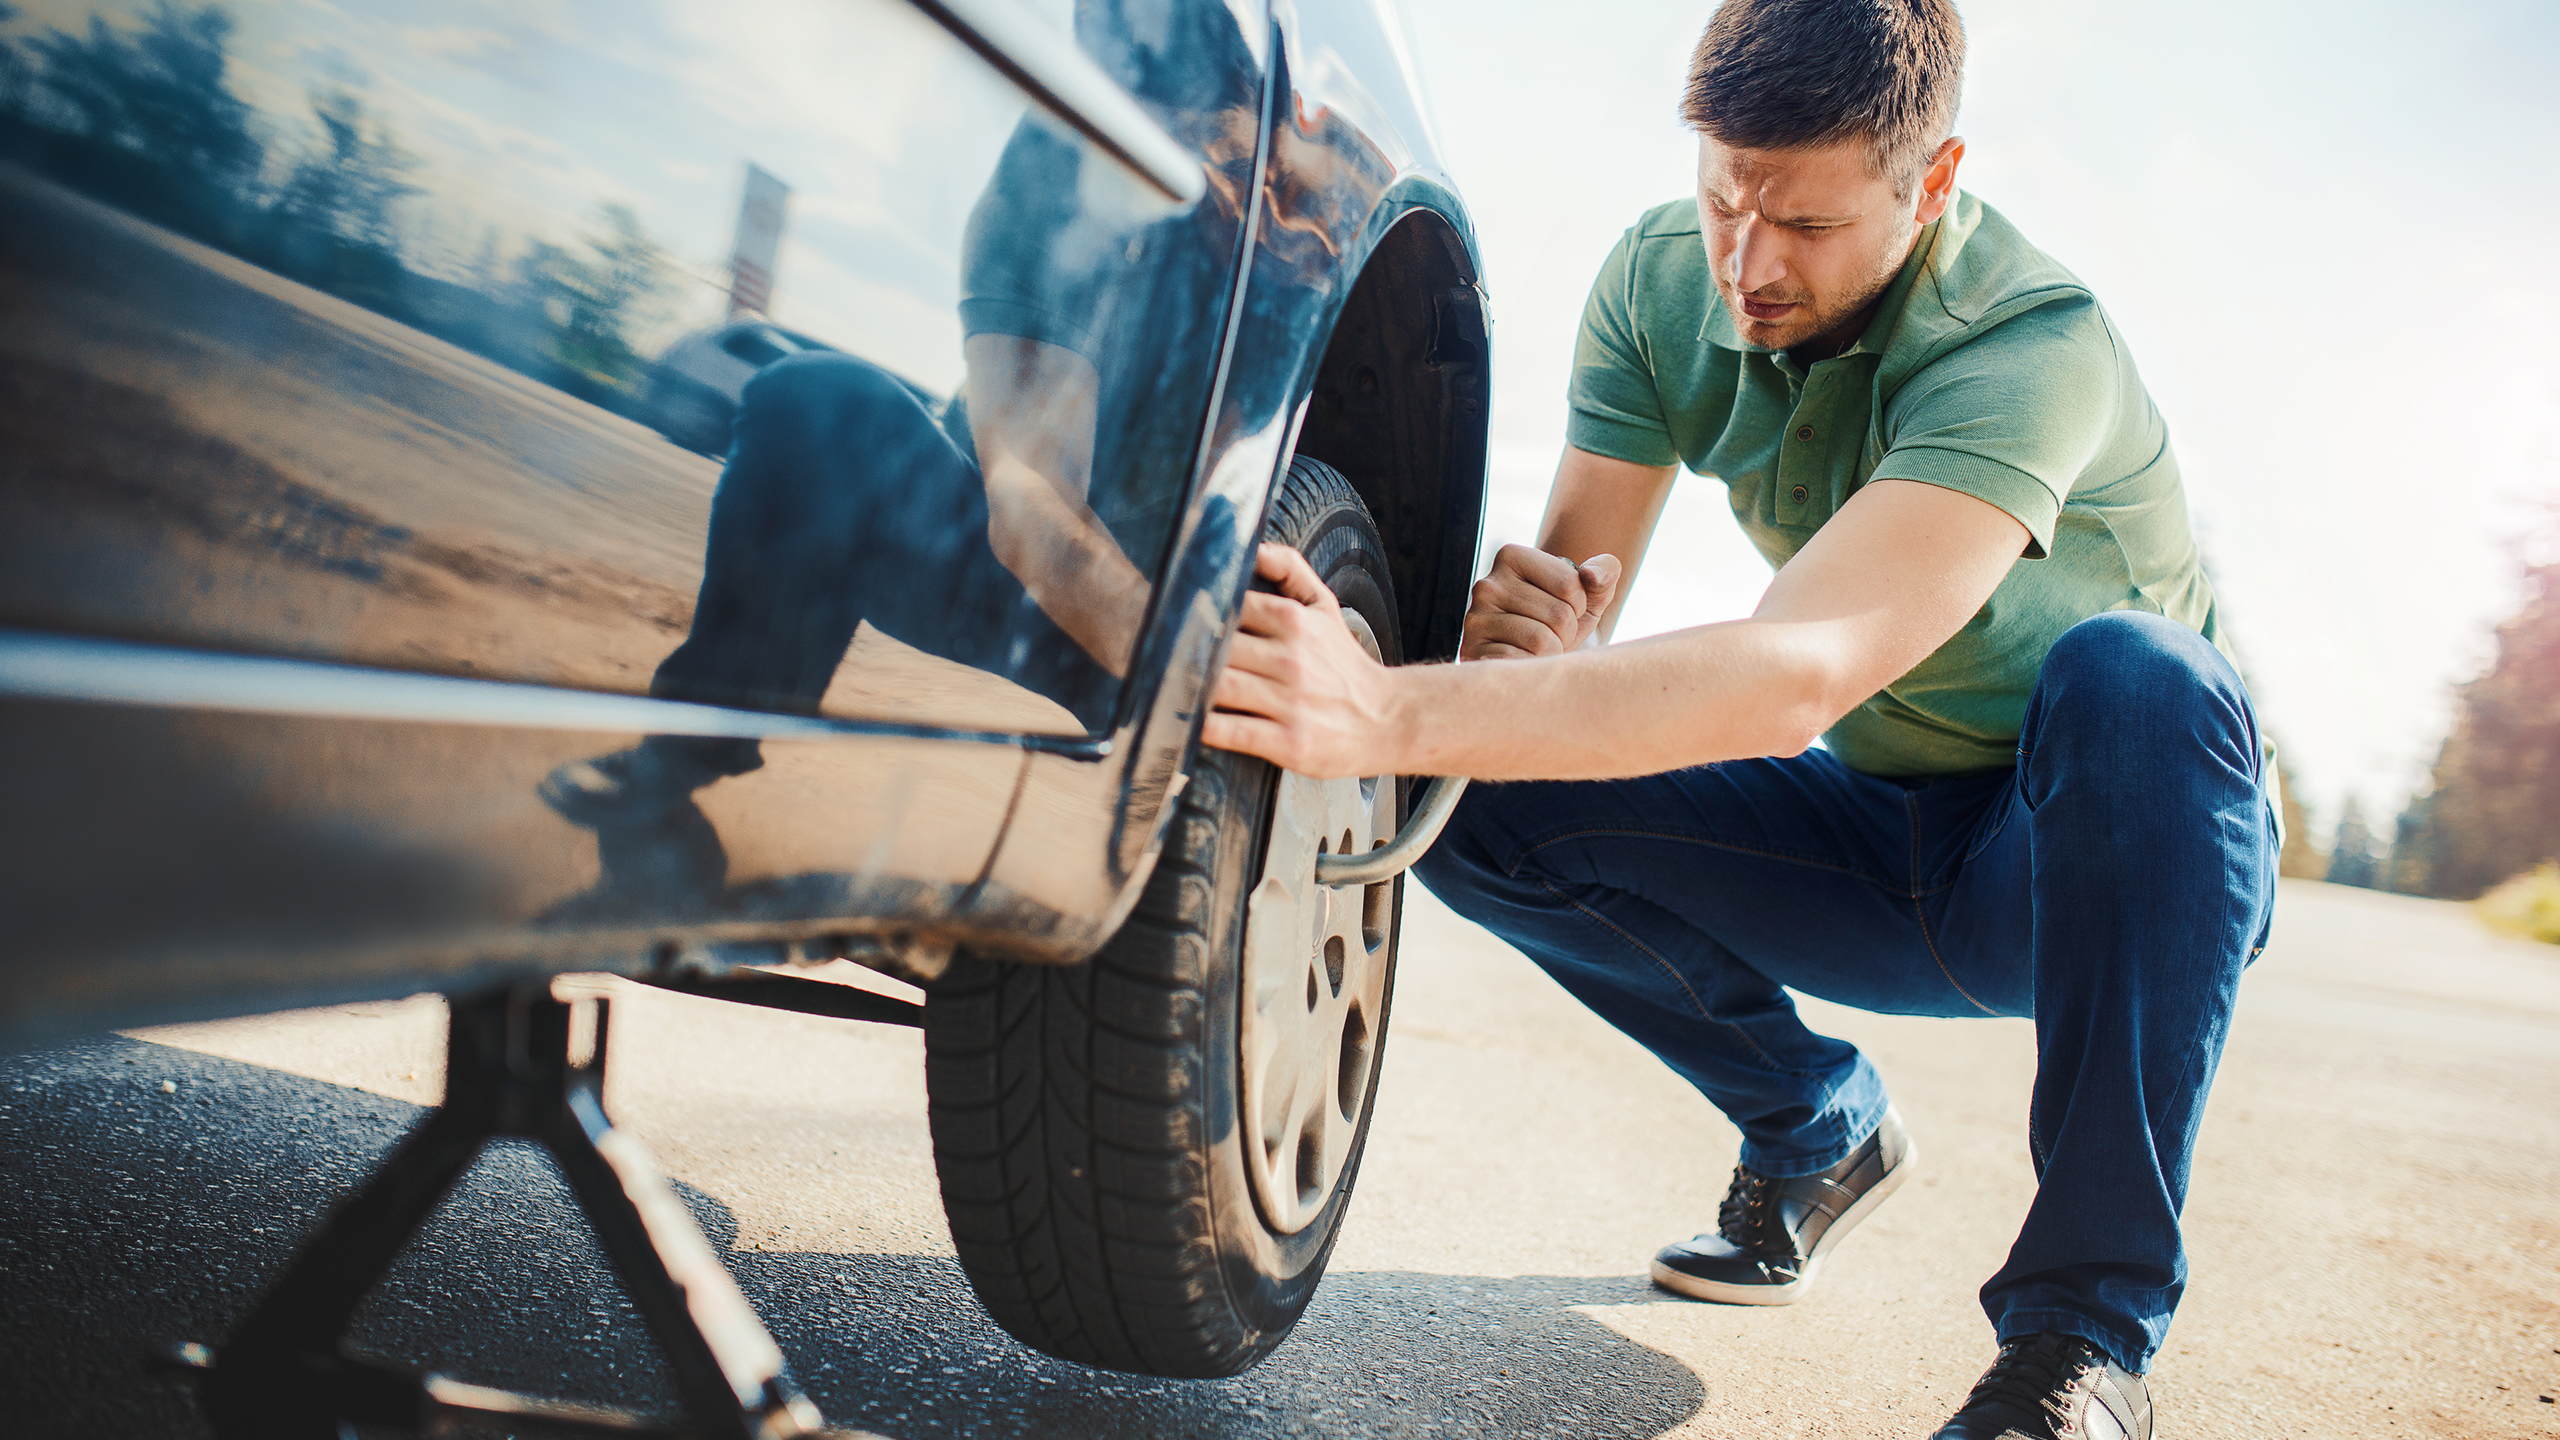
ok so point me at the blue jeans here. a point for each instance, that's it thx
(845, 500)
(2112, 885)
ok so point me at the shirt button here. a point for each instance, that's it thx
(1799, 494)
(1804, 432)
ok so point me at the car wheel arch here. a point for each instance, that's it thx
(1399, 402)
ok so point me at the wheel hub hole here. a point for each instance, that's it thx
(1336, 956)
(1310, 1165)
(1355, 1064)
(1377, 909)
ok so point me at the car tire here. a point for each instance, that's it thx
(1105, 1132)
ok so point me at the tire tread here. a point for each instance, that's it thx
(1066, 1102)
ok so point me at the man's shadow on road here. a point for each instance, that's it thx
(138, 1216)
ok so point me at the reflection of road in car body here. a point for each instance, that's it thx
(366, 486)
(1009, 529)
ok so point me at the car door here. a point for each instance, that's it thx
(333, 334)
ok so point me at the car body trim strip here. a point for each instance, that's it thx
(78, 668)
(1047, 65)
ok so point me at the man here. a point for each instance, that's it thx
(2041, 789)
(995, 528)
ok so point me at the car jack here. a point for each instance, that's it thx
(525, 1064)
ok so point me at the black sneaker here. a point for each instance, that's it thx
(1770, 1233)
(2053, 1387)
(639, 786)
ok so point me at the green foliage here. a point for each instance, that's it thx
(600, 302)
(2528, 905)
(152, 115)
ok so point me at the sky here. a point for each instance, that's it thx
(2326, 231)
(528, 115)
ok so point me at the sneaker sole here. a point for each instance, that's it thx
(1787, 1294)
(1696, 1289)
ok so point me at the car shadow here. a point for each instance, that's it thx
(153, 1192)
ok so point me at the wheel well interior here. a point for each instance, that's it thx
(1399, 407)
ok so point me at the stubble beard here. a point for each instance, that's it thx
(1821, 318)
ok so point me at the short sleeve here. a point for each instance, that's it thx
(1011, 281)
(1616, 408)
(2012, 416)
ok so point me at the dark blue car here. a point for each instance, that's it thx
(360, 635)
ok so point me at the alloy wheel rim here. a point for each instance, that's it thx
(1313, 997)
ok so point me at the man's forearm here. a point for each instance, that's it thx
(1601, 506)
(1900, 568)
(1718, 692)
(1069, 563)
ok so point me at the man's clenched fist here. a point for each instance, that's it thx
(1535, 603)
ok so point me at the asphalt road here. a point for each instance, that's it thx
(2374, 1228)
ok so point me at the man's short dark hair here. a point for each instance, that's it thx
(1783, 74)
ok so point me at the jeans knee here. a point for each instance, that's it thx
(826, 440)
(2134, 660)
(2146, 691)
(815, 391)
(821, 374)
(1466, 857)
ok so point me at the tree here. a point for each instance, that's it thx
(158, 103)
(2410, 867)
(2492, 810)
(334, 224)
(2301, 858)
(16, 75)
(347, 189)
(601, 302)
(2352, 857)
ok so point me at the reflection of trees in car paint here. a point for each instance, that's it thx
(597, 302)
(147, 119)
(884, 126)
(1063, 252)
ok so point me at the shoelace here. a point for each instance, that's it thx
(2035, 1377)
(1749, 1217)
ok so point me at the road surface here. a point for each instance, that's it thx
(2375, 1233)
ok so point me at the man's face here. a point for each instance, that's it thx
(1804, 240)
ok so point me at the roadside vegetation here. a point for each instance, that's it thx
(2486, 827)
(2528, 905)
(146, 119)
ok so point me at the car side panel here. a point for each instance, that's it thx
(226, 455)
(163, 863)
(333, 337)
(1329, 192)
(204, 857)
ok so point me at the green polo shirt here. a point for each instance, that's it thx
(1988, 370)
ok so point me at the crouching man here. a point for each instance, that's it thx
(2040, 789)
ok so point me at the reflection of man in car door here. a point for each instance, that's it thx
(1008, 531)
